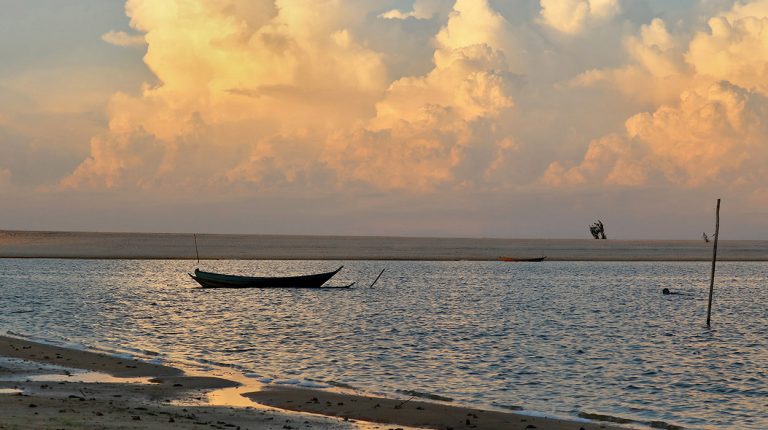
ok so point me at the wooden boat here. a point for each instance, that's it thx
(519, 260)
(216, 280)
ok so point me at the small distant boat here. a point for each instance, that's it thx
(520, 260)
(217, 280)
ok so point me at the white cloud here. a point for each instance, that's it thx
(422, 9)
(575, 16)
(121, 38)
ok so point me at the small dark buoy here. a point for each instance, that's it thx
(665, 291)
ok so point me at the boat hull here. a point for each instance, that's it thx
(520, 260)
(217, 280)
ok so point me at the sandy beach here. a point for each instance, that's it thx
(29, 244)
(38, 389)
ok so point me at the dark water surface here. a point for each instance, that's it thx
(555, 337)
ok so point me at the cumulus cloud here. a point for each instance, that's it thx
(284, 95)
(121, 38)
(413, 99)
(734, 48)
(422, 9)
(613, 160)
(234, 76)
(575, 16)
(277, 96)
(714, 133)
(655, 73)
(118, 159)
(428, 127)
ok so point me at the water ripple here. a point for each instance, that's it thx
(557, 337)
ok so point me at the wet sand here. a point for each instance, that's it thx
(37, 393)
(167, 398)
(27, 244)
(413, 413)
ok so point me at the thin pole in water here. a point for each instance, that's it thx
(377, 278)
(714, 260)
(196, 253)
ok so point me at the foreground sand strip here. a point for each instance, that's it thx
(173, 400)
(64, 404)
(410, 413)
(115, 366)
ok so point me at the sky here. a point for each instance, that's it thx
(471, 118)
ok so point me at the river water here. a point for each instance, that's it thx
(556, 337)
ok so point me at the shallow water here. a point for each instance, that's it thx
(556, 337)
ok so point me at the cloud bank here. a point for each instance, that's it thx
(709, 128)
(282, 93)
(556, 97)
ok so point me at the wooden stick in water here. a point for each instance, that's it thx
(377, 278)
(714, 260)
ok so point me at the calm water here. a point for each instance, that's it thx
(553, 337)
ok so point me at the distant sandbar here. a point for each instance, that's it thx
(32, 244)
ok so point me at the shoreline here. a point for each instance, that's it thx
(439, 260)
(171, 246)
(168, 395)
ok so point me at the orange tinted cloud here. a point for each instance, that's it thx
(284, 92)
(268, 94)
(423, 131)
(655, 73)
(232, 75)
(713, 132)
(574, 16)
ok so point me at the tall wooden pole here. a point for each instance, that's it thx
(196, 253)
(714, 260)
